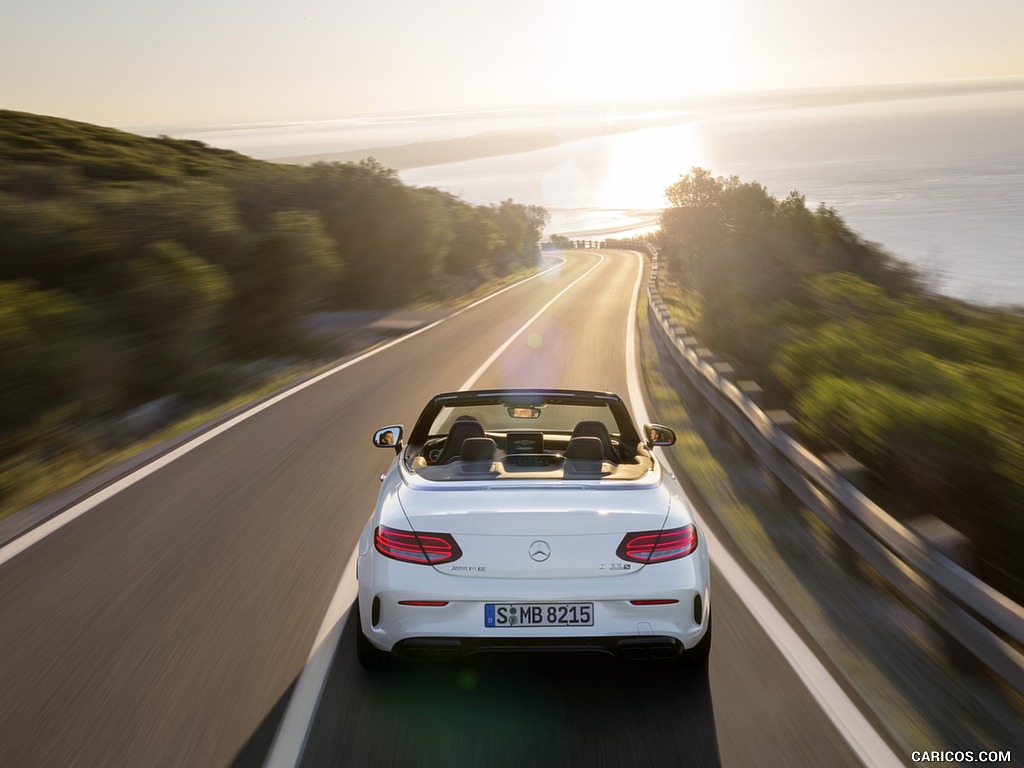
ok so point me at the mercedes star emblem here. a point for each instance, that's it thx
(540, 551)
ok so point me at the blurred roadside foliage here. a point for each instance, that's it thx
(926, 391)
(134, 268)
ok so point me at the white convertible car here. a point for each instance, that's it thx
(533, 520)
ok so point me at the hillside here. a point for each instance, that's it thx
(136, 269)
(925, 391)
(106, 154)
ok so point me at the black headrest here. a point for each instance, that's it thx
(480, 449)
(585, 449)
(591, 429)
(599, 430)
(461, 429)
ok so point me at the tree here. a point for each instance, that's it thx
(171, 308)
(291, 267)
(42, 337)
(521, 227)
(54, 243)
(476, 238)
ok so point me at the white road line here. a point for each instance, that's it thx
(286, 751)
(862, 737)
(844, 714)
(40, 532)
(468, 384)
(294, 729)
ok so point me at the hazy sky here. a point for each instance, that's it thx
(132, 63)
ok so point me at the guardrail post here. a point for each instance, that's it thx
(721, 425)
(726, 371)
(784, 422)
(752, 391)
(856, 474)
(705, 355)
(946, 540)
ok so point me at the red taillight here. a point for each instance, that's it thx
(658, 546)
(412, 547)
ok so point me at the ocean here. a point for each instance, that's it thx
(937, 181)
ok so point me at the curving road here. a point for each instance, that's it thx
(168, 623)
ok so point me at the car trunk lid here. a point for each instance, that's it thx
(537, 533)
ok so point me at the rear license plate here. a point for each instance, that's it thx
(539, 615)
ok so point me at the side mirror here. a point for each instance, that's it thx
(656, 434)
(389, 437)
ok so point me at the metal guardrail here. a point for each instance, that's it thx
(977, 617)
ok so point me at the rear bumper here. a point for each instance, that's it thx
(453, 625)
(632, 648)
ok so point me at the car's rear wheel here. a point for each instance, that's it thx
(370, 656)
(697, 657)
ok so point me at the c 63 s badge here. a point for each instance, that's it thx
(614, 567)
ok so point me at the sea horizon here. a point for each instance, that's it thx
(934, 174)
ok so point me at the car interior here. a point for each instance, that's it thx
(469, 452)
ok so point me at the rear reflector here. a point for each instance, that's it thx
(425, 603)
(414, 547)
(658, 546)
(653, 602)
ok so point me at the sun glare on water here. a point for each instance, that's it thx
(641, 164)
(615, 179)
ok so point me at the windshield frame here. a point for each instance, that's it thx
(524, 397)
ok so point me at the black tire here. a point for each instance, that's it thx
(697, 657)
(370, 656)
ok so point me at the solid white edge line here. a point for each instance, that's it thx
(293, 731)
(862, 737)
(41, 531)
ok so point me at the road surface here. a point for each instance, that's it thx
(168, 624)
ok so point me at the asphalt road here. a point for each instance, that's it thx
(168, 624)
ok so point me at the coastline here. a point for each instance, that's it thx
(540, 132)
(928, 172)
(422, 154)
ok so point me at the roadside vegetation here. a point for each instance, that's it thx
(926, 391)
(136, 268)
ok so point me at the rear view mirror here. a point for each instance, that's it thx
(524, 412)
(389, 437)
(656, 434)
